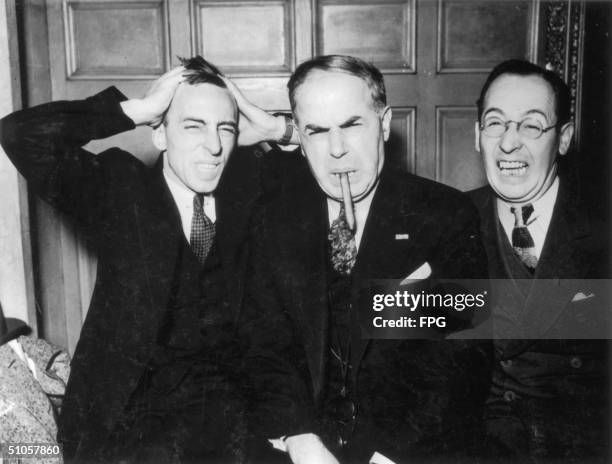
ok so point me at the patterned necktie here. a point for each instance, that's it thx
(522, 242)
(342, 245)
(202, 229)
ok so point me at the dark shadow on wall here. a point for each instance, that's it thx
(593, 159)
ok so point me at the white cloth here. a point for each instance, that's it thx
(378, 458)
(16, 347)
(538, 222)
(183, 197)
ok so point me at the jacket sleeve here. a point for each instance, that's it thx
(445, 419)
(274, 366)
(45, 145)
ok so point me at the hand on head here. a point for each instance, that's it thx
(255, 125)
(150, 109)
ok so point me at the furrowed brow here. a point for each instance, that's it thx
(492, 110)
(537, 112)
(199, 121)
(315, 128)
(228, 123)
(350, 121)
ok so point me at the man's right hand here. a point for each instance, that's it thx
(149, 110)
(308, 448)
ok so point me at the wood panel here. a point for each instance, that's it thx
(382, 32)
(434, 53)
(16, 273)
(116, 40)
(458, 163)
(400, 148)
(224, 30)
(475, 35)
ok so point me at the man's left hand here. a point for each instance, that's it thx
(255, 124)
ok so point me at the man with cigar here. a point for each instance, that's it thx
(151, 376)
(318, 389)
(546, 248)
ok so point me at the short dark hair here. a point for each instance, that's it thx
(341, 63)
(200, 71)
(524, 68)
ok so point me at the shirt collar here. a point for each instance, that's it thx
(542, 207)
(183, 195)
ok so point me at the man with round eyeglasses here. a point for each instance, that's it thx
(547, 252)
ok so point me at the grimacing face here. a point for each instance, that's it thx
(340, 130)
(521, 170)
(199, 134)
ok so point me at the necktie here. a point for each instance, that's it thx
(202, 229)
(342, 244)
(522, 242)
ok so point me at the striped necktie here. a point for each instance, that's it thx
(522, 242)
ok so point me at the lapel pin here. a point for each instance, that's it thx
(401, 236)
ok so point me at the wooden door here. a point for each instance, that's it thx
(435, 55)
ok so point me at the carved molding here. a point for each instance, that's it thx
(555, 34)
(403, 138)
(574, 77)
(563, 23)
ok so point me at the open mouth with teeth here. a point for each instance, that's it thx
(206, 166)
(336, 175)
(347, 171)
(512, 168)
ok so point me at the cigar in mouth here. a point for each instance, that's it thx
(347, 199)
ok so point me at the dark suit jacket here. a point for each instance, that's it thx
(415, 397)
(129, 213)
(550, 394)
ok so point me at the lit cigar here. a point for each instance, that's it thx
(347, 199)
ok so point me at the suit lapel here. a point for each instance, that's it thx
(491, 232)
(562, 262)
(302, 257)
(385, 252)
(160, 238)
(388, 249)
(233, 208)
(562, 258)
(562, 255)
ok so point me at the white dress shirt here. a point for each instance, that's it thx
(538, 222)
(183, 197)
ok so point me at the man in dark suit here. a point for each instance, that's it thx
(550, 393)
(151, 376)
(320, 391)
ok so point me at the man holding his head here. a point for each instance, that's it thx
(546, 247)
(319, 389)
(152, 373)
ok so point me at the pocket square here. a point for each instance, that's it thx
(378, 458)
(402, 236)
(423, 272)
(581, 296)
(278, 444)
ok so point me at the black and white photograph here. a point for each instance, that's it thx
(305, 231)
